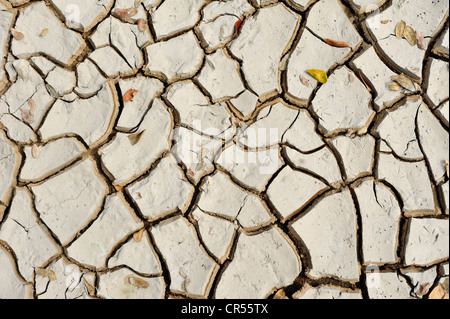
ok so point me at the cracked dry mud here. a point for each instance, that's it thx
(179, 149)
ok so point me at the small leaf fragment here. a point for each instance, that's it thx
(238, 25)
(423, 290)
(118, 188)
(421, 44)
(126, 13)
(17, 34)
(404, 81)
(138, 236)
(43, 33)
(394, 86)
(281, 294)
(137, 282)
(305, 81)
(141, 25)
(90, 288)
(445, 284)
(131, 93)
(400, 29)
(410, 36)
(35, 151)
(385, 21)
(51, 91)
(46, 273)
(135, 138)
(182, 274)
(319, 75)
(336, 44)
(437, 293)
(32, 106)
(26, 116)
(351, 78)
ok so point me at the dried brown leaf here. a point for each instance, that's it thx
(305, 81)
(35, 151)
(410, 36)
(445, 284)
(126, 13)
(137, 282)
(17, 34)
(51, 91)
(423, 290)
(190, 172)
(404, 81)
(394, 86)
(336, 44)
(90, 288)
(43, 33)
(385, 21)
(421, 44)
(138, 236)
(142, 25)
(46, 273)
(135, 138)
(400, 29)
(437, 293)
(137, 3)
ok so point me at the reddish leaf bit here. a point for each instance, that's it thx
(238, 25)
(337, 44)
(27, 117)
(304, 81)
(141, 25)
(190, 172)
(126, 13)
(131, 93)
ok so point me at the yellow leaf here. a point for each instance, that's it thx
(138, 236)
(410, 36)
(400, 29)
(319, 75)
(44, 33)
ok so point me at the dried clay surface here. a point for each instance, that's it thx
(224, 149)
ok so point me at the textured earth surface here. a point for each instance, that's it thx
(185, 149)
